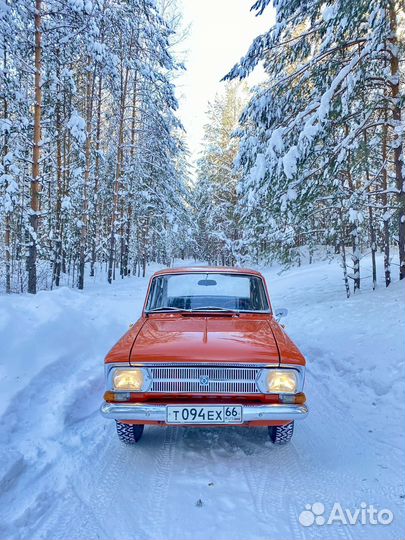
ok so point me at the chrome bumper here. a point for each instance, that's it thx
(157, 413)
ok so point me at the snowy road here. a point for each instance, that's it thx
(65, 475)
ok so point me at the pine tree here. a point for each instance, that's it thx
(104, 140)
(215, 194)
(302, 154)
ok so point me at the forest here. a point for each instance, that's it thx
(95, 172)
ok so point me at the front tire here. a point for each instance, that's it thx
(129, 433)
(281, 434)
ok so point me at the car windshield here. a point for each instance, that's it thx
(207, 291)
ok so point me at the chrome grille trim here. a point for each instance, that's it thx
(220, 379)
(202, 364)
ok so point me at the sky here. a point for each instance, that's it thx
(221, 32)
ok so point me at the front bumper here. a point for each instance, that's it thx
(142, 412)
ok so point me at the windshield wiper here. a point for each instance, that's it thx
(162, 309)
(166, 308)
(215, 308)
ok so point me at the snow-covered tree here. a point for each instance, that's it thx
(321, 155)
(90, 141)
(215, 193)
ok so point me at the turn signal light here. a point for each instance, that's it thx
(298, 399)
(115, 396)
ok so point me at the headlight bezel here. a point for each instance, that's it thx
(298, 372)
(112, 372)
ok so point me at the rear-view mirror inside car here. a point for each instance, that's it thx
(207, 282)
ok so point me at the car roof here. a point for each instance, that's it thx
(207, 269)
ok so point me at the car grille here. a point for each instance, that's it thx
(205, 380)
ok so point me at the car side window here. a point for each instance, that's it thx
(258, 296)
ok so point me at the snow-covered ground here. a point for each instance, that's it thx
(64, 474)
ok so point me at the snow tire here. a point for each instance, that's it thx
(281, 434)
(129, 433)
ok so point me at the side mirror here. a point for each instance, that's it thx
(280, 313)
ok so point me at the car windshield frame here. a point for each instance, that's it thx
(264, 296)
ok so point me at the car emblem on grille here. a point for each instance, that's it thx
(204, 380)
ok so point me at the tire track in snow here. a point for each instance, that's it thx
(103, 489)
(295, 483)
(280, 487)
(263, 479)
(284, 476)
(159, 487)
(324, 413)
(80, 508)
(300, 471)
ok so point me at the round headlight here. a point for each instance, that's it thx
(128, 379)
(282, 381)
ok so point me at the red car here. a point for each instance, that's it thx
(207, 351)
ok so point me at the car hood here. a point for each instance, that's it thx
(174, 338)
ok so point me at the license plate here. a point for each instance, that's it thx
(215, 414)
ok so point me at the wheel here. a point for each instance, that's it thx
(129, 433)
(281, 434)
